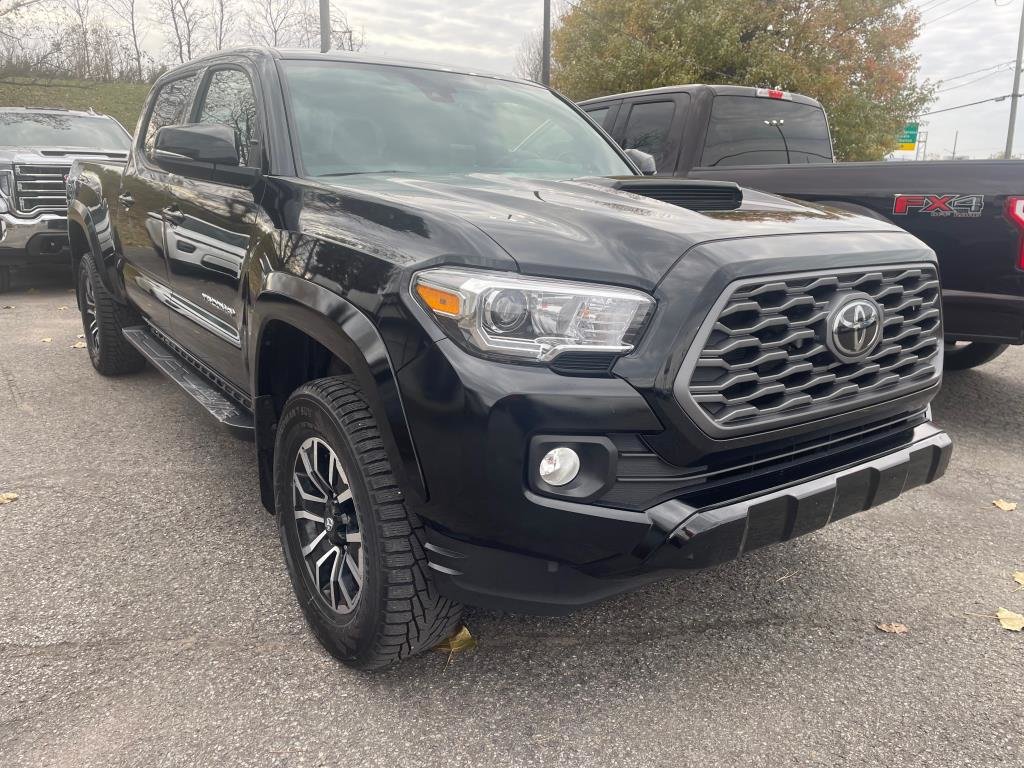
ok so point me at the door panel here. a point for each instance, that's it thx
(208, 228)
(144, 191)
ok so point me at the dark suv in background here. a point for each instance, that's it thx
(37, 147)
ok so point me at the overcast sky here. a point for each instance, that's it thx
(959, 36)
(485, 34)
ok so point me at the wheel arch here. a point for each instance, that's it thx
(83, 239)
(304, 331)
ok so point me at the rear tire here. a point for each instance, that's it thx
(104, 319)
(971, 354)
(362, 581)
(5, 279)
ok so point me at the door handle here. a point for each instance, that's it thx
(126, 199)
(173, 215)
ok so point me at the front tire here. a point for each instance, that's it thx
(971, 354)
(354, 552)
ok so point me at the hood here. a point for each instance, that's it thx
(55, 155)
(586, 230)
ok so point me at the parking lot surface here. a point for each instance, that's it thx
(146, 617)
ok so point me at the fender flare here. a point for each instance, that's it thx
(343, 329)
(106, 262)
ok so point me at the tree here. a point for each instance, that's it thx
(222, 23)
(281, 23)
(81, 10)
(854, 56)
(184, 21)
(529, 63)
(128, 12)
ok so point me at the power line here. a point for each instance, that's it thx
(962, 106)
(948, 13)
(976, 71)
(930, 5)
(976, 80)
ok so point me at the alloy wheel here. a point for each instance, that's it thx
(92, 322)
(327, 524)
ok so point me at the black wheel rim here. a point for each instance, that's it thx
(327, 525)
(92, 325)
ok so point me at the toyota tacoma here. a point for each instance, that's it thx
(484, 360)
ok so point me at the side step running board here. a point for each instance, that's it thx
(231, 415)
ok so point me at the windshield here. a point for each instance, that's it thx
(749, 130)
(372, 118)
(48, 129)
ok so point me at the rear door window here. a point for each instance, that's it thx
(599, 115)
(168, 108)
(648, 129)
(749, 130)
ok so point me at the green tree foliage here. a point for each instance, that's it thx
(853, 55)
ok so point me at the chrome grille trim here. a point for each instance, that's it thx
(760, 360)
(40, 188)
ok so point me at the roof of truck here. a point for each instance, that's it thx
(350, 56)
(54, 111)
(718, 90)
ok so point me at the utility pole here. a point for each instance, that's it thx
(545, 66)
(325, 26)
(1016, 89)
(956, 140)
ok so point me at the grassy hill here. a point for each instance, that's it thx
(121, 100)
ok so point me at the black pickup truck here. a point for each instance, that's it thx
(971, 212)
(482, 358)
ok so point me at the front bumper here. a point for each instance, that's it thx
(673, 535)
(33, 240)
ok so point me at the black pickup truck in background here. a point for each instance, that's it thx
(971, 212)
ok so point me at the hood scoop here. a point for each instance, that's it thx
(694, 195)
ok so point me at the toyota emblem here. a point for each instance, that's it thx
(854, 327)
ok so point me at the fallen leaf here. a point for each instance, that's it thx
(893, 629)
(78, 345)
(62, 309)
(1010, 620)
(7, 498)
(47, 340)
(462, 640)
(1006, 506)
(80, 336)
(1018, 576)
(8, 306)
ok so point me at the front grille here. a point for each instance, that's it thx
(40, 188)
(762, 359)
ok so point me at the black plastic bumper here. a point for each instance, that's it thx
(986, 317)
(677, 536)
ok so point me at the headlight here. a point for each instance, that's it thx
(532, 318)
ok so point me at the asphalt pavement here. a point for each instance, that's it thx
(146, 618)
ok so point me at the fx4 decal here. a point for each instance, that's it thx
(939, 205)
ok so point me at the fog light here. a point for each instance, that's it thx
(559, 466)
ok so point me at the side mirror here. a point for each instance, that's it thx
(205, 152)
(643, 161)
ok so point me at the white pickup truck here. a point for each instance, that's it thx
(37, 147)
